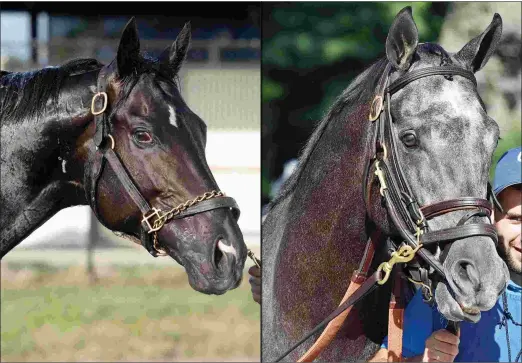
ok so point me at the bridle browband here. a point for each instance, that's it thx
(408, 218)
(153, 219)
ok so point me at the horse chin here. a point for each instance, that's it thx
(202, 277)
(212, 271)
(451, 309)
(214, 278)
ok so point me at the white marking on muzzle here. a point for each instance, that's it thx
(172, 116)
(227, 249)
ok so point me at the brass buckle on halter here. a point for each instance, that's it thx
(155, 212)
(93, 106)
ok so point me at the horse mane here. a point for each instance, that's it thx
(359, 91)
(25, 94)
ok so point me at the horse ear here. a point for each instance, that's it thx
(475, 54)
(129, 48)
(174, 56)
(402, 40)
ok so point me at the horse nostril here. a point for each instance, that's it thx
(467, 273)
(226, 252)
(462, 269)
(218, 256)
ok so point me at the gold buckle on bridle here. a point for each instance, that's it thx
(105, 101)
(403, 255)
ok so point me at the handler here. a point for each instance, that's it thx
(497, 336)
(255, 283)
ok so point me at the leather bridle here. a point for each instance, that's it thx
(410, 221)
(153, 219)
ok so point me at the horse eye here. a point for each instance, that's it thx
(143, 137)
(409, 139)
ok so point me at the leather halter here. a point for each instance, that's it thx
(153, 219)
(409, 219)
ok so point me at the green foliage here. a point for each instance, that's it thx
(271, 90)
(311, 34)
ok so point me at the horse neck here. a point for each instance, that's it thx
(328, 198)
(316, 237)
(41, 170)
(68, 128)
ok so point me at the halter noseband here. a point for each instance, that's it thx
(408, 218)
(153, 218)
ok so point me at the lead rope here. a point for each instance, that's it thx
(507, 316)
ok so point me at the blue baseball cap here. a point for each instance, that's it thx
(508, 171)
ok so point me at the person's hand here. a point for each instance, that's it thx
(255, 283)
(441, 346)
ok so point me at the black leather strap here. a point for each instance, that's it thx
(101, 124)
(460, 232)
(481, 212)
(126, 181)
(408, 236)
(431, 71)
(91, 182)
(438, 208)
(210, 204)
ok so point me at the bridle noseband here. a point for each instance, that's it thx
(153, 219)
(409, 219)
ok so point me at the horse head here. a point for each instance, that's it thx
(444, 142)
(156, 187)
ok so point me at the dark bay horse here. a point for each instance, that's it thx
(315, 231)
(120, 138)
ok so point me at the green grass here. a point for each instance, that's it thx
(46, 311)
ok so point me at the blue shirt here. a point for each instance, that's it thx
(484, 341)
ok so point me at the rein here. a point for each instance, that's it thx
(409, 219)
(153, 219)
